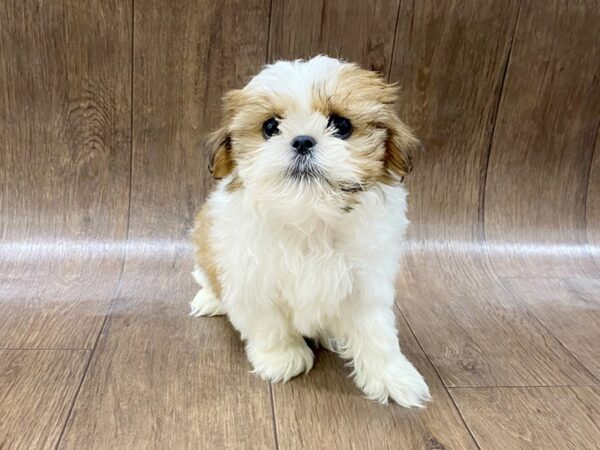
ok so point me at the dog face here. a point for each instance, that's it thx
(309, 135)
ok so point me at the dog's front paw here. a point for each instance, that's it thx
(408, 388)
(400, 381)
(281, 362)
(206, 303)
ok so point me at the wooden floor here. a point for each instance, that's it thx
(102, 107)
(512, 363)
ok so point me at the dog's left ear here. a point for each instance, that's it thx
(400, 144)
(221, 161)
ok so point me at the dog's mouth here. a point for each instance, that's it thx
(303, 168)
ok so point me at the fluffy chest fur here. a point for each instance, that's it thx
(308, 269)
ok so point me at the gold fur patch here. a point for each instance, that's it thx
(205, 254)
(235, 184)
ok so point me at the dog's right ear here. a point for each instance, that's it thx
(222, 162)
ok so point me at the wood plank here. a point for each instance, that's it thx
(64, 121)
(185, 58)
(543, 143)
(61, 311)
(325, 410)
(475, 332)
(569, 308)
(532, 418)
(161, 379)
(593, 203)
(359, 31)
(482, 336)
(449, 62)
(37, 389)
(65, 89)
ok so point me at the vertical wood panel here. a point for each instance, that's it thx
(543, 143)
(37, 389)
(593, 203)
(450, 85)
(360, 31)
(64, 121)
(186, 56)
(160, 379)
(65, 112)
(449, 61)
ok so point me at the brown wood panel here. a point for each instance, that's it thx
(60, 311)
(449, 62)
(569, 308)
(476, 333)
(593, 203)
(37, 389)
(185, 58)
(161, 379)
(543, 143)
(65, 88)
(64, 123)
(482, 336)
(360, 31)
(532, 418)
(325, 410)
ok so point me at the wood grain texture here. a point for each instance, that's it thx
(161, 379)
(482, 336)
(82, 86)
(593, 203)
(61, 311)
(476, 333)
(439, 46)
(359, 31)
(543, 143)
(64, 168)
(37, 389)
(325, 410)
(64, 123)
(532, 418)
(185, 59)
(569, 308)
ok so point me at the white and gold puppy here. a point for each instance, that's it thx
(303, 234)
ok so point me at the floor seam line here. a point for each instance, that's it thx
(439, 377)
(275, 431)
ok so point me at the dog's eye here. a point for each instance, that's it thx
(270, 127)
(342, 126)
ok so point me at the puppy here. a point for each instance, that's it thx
(302, 236)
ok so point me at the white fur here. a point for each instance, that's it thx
(294, 264)
(205, 302)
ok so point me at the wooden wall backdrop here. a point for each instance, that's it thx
(103, 106)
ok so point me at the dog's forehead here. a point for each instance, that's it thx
(297, 79)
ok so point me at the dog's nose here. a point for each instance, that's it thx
(303, 144)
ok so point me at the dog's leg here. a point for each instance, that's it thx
(370, 340)
(206, 302)
(277, 352)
